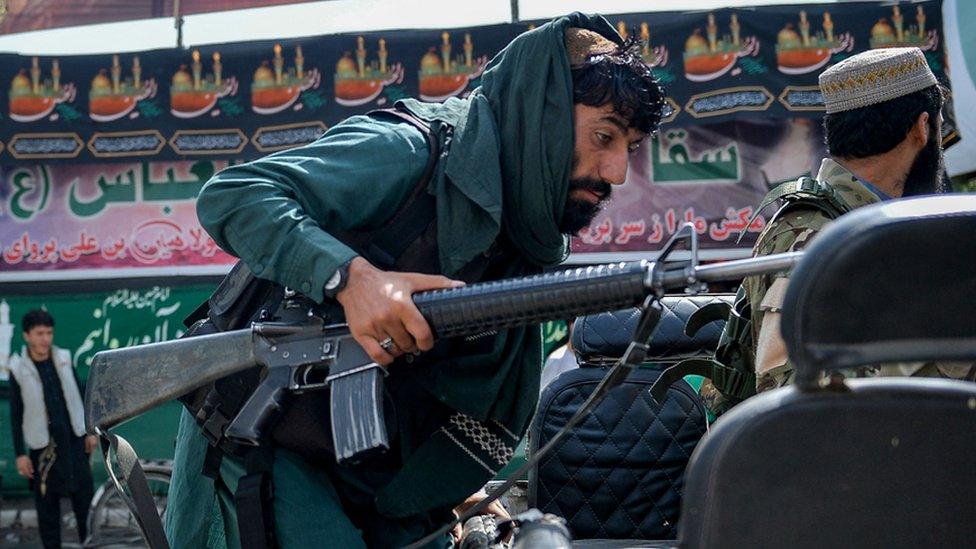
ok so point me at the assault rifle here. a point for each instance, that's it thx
(311, 355)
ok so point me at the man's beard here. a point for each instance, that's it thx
(926, 173)
(580, 213)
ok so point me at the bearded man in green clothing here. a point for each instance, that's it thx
(532, 155)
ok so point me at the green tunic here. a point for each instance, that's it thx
(354, 177)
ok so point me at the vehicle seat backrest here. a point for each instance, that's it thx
(619, 474)
(887, 464)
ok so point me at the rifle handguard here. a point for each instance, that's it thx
(502, 304)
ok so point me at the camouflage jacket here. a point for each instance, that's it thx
(793, 231)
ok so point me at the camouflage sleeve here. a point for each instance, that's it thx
(790, 232)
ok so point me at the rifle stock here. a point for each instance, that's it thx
(124, 383)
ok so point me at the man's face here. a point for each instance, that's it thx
(925, 175)
(39, 339)
(604, 142)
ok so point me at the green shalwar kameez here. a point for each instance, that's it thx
(459, 416)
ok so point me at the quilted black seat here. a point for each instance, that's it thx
(619, 474)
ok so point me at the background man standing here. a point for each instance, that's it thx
(47, 420)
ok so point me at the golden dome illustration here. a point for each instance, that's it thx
(696, 42)
(882, 30)
(101, 82)
(346, 66)
(182, 78)
(20, 83)
(788, 36)
(263, 74)
(430, 61)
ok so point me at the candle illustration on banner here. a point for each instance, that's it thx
(358, 82)
(273, 92)
(111, 99)
(33, 97)
(446, 76)
(192, 96)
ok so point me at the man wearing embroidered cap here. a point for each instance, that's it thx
(527, 159)
(883, 134)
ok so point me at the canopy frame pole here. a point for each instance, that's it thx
(178, 23)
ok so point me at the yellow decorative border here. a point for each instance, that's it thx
(696, 97)
(20, 156)
(782, 98)
(96, 135)
(172, 141)
(262, 129)
(675, 110)
(876, 77)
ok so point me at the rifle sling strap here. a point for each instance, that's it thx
(140, 500)
(254, 500)
(384, 246)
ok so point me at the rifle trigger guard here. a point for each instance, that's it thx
(357, 370)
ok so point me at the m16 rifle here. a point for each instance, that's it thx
(312, 354)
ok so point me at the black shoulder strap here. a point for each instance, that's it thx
(670, 376)
(803, 192)
(383, 246)
(254, 500)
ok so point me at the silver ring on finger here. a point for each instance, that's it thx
(388, 345)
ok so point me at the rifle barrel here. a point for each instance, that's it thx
(507, 303)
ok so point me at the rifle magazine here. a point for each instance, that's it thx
(358, 421)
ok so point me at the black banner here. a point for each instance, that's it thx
(243, 100)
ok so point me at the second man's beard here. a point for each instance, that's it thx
(580, 213)
(926, 174)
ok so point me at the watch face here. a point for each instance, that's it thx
(333, 282)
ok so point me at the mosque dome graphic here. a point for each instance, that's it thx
(112, 97)
(804, 50)
(193, 93)
(359, 81)
(709, 56)
(442, 76)
(275, 88)
(33, 97)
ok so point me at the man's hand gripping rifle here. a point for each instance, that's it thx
(312, 355)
